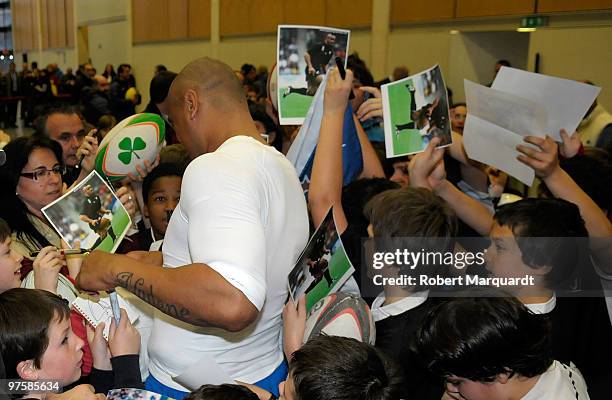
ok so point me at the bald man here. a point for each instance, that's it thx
(238, 229)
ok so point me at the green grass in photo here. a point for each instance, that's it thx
(408, 140)
(338, 265)
(119, 222)
(294, 105)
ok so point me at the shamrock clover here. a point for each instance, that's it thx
(130, 148)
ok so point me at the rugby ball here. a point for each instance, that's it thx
(341, 314)
(137, 138)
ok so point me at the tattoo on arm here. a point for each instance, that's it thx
(145, 291)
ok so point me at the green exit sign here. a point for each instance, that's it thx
(534, 22)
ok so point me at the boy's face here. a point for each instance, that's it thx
(163, 197)
(465, 389)
(10, 267)
(63, 358)
(504, 257)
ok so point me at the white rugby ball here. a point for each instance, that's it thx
(341, 314)
(137, 138)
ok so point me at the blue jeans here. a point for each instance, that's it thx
(269, 383)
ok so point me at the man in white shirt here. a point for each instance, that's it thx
(238, 229)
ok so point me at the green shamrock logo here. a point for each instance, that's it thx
(130, 148)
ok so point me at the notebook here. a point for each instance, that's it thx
(96, 310)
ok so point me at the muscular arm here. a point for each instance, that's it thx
(193, 293)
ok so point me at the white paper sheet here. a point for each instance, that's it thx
(566, 101)
(496, 123)
(204, 372)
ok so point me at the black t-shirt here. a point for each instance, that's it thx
(320, 54)
(582, 334)
(394, 337)
(91, 207)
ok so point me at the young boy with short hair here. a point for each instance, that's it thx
(551, 240)
(37, 343)
(489, 348)
(339, 368)
(161, 192)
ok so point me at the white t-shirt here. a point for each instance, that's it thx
(559, 382)
(243, 213)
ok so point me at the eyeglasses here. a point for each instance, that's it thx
(41, 174)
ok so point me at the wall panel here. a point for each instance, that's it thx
(479, 8)
(406, 11)
(573, 5)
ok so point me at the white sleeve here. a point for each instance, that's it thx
(225, 228)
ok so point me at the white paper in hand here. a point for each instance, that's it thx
(100, 310)
(565, 101)
(496, 123)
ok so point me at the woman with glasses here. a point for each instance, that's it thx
(30, 179)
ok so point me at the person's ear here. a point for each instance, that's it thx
(27, 371)
(145, 210)
(503, 378)
(191, 103)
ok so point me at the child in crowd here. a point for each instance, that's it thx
(161, 191)
(338, 368)
(46, 266)
(488, 348)
(414, 219)
(550, 240)
(37, 342)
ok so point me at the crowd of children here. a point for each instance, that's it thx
(551, 340)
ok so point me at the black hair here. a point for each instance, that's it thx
(5, 230)
(246, 68)
(40, 123)
(459, 105)
(480, 337)
(222, 392)
(161, 68)
(165, 169)
(25, 317)
(549, 232)
(160, 86)
(360, 70)
(258, 113)
(13, 210)
(505, 63)
(339, 368)
(121, 67)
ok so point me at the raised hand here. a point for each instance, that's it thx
(337, 91)
(372, 107)
(542, 156)
(427, 168)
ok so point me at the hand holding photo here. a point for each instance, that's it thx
(415, 111)
(323, 266)
(90, 216)
(304, 54)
